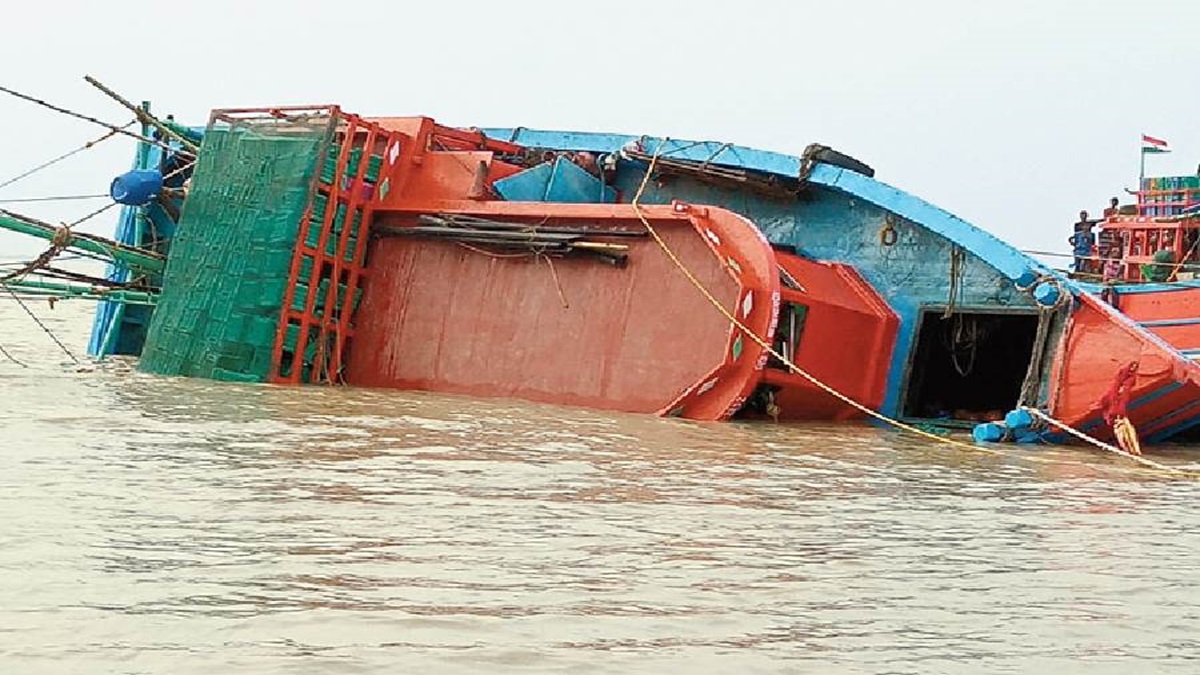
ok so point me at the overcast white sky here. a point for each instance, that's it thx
(1014, 114)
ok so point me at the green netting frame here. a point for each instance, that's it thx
(224, 283)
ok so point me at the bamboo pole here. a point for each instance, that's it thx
(82, 291)
(111, 127)
(144, 115)
(142, 260)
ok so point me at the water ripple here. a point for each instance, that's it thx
(167, 525)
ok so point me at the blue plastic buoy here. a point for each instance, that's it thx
(1046, 294)
(1027, 436)
(1026, 280)
(136, 188)
(1018, 419)
(987, 432)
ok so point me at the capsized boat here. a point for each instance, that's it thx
(308, 245)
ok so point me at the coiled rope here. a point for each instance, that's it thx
(866, 410)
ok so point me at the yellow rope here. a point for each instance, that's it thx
(1108, 447)
(846, 399)
(763, 343)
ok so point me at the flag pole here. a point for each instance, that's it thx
(1141, 171)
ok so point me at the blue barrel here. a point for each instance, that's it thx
(1018, 419)
(1046, 294)
(988, 432)
(136, 188)
(1027, 436)
(1027, 279)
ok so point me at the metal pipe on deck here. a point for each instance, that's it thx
(64, 291)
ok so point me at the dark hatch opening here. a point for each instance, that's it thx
(969, 366)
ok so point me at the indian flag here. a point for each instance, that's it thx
(1152, 144)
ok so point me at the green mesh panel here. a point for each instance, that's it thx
(228, 268)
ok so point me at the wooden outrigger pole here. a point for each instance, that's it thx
(138, 260)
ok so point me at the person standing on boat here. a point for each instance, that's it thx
(1082, 242)
(1108, 247)
(1112, 265)
(1114, 208)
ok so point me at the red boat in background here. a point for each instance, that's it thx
(1141, 307)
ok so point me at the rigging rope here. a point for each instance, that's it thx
(1108, 447)
(961, 341)
(102, 209)
(1033, 373)
(12, 358)
(71, 113)
(60, 198)
(56, 160)
(93, 214)
(39, 322)
(957, 257)
(61, 239)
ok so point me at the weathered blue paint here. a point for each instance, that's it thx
(563, 182)
(571, 184)
(1009, 261)
(526, 186)
(561, 140)
(912, 274)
